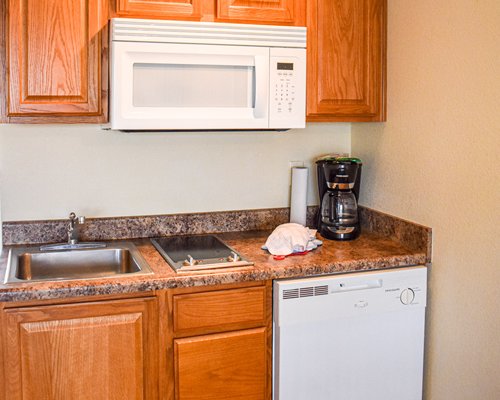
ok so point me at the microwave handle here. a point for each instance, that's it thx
(261, 87)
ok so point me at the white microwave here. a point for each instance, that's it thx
(180, 75)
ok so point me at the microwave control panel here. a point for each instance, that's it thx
(284, 88)
(287, 90)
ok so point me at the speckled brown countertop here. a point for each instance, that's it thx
(370, 251)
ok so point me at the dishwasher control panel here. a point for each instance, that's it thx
(361, 292)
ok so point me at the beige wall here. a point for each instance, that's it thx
(48, 171)
(436, 161)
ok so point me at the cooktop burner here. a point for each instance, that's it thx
(194, 253)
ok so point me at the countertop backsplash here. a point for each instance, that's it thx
(414, 236)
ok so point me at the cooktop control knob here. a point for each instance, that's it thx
(407, 296)
(233, 257)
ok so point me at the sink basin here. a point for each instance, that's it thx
(32, 264)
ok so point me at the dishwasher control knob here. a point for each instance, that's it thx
(407, 296)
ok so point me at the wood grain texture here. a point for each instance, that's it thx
(219, 310)
(57, 52)
(3, 387)
(269, 344)
(225, 370)
(72, 334)
(166, 361)
(279, 12)
(346, 78)
(4, 83)
(171, 9)
(101, 350)
(224, 366)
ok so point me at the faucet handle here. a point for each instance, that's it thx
(74, 219)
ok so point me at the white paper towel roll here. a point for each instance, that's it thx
(298, 198)
(1, 241)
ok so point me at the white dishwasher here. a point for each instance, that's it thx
(356, 336)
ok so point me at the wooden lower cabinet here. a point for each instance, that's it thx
(204, 343)
(220, 339)
(100, 351)
(223, 366)
(219, 310)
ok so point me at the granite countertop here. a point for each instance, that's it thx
(371, 251)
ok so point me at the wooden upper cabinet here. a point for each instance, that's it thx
(101, 351)
(57, 60)
(346, 77)
(175, 9)
(279, 12)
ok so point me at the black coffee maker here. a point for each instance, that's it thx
(338, 183)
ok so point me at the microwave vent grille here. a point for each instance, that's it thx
(164, 31)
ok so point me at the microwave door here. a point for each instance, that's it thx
(158, 86)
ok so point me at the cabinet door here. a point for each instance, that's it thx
(346, 75)
(224, 366)
(100, 351)
(183, 9)
(279, 12)
(54, 60)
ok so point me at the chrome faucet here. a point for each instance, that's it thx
(73, 242)
(73, 228)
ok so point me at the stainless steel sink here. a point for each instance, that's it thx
(33, 264)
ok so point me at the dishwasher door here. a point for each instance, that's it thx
(356, 336)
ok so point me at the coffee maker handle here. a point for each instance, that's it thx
(332, 209)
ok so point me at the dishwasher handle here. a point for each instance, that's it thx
(346, 287)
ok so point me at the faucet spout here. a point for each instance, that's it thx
(73, 228)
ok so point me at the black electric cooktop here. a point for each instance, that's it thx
(199, 252)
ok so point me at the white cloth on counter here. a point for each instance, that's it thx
(291, 238)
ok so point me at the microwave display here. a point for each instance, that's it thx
(285, 66)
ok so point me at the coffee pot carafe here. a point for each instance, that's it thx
(339, 208)
(338, 182)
